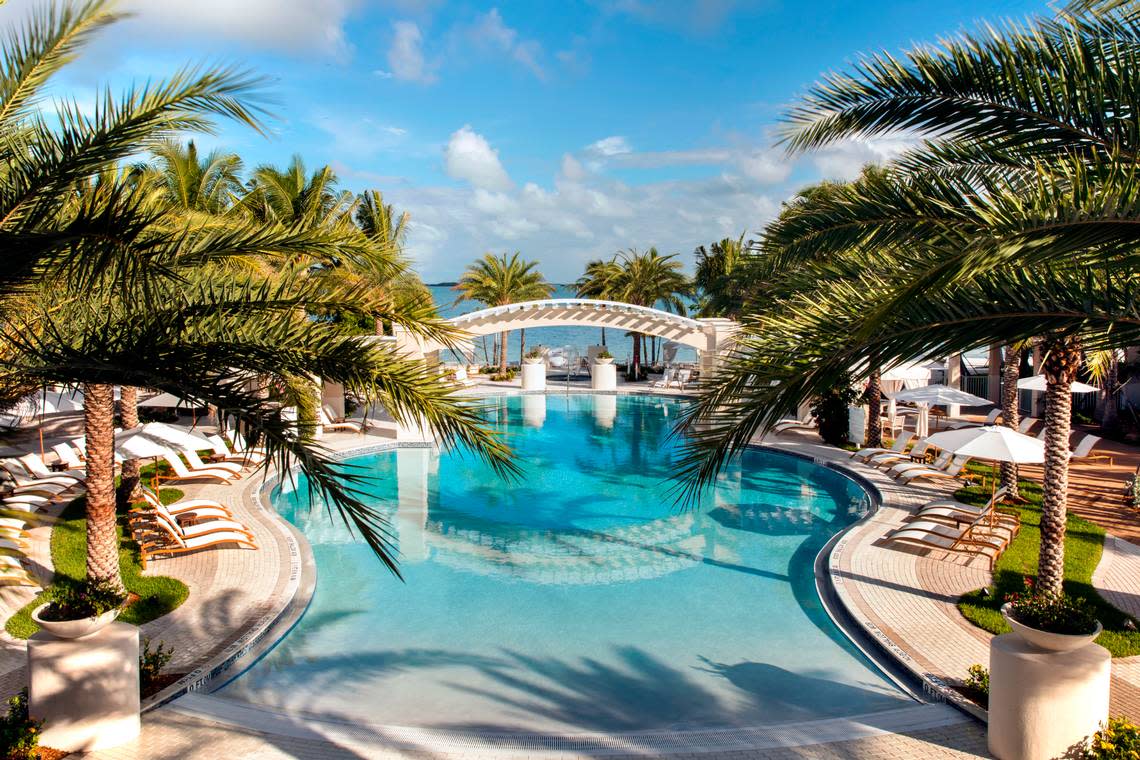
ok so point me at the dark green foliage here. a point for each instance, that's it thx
(830, 410)
(19, 734)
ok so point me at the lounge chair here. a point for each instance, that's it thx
(188, 507)
(990, 419)
(1025, 424)
(169, 522)
(807, 423)
(21, 483)
(219, 447)
(682, 378)
(916, 455)
(182, 473)
(952, 471)
(196, 463)
(1083, 451)
(896, 448)
(38, 468)
(666, 379)
(240, 446)
(12, 573)
(958, 513)
(902, 466)
(969, 539)
(159, 537)
(328, 423)
(70, 457)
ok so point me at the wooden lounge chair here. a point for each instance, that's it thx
(158, 537)
(21, 483)
(952, 471)
(1082, 452)
(240, 446)
(328, 423)
(969, 539)
(168, 522)
(188, 507)
(954, 511)
(916, 455)
(182, 473)
(12, 573)
(991, 419)
(196, 463)
(807, 423)
(942, 460)
(1026, 424)
(38, 468)
(70, 458)
(896, 448)
(247, 458)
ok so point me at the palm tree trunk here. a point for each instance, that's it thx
(635, 361)
(1061, 365)
(102, 530)
(1010, 414)
(522, 346)
(874, 434)
(503, 353)
(603, 337)
(129, 474)
(1110, 417)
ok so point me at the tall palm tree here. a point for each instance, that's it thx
(598, 282)
(501, 280)
(718, 281)
(193, 183)
(1010, 413)
(1028, 181)
(103, 285)
(646, 278)
(388, 272)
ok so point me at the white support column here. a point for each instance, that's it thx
(994, 372)
(954, 380)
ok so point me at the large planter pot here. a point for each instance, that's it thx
(533, 360)
(1053, 642)
(74, 629)
(600, 360)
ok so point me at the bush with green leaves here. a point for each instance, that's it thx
(1118, 739)
(19, 734)
(86, 599)
(151, 663)
(1053, 613)
(977, 684)
(830, 410)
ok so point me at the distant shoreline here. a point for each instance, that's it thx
(453, 284)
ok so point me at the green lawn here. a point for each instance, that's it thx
(1084, 543)
(158, 595)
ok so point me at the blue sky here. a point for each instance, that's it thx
(567, 130)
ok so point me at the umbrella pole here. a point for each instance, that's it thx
(993, 496)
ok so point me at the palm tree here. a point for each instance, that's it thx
(1028, 184)
(192, 183)
(718, 279)
(292, 196)
(103, 285)
(498, 281)
(1010, 413)
(598, 282)
(388, 272)
(649, 279)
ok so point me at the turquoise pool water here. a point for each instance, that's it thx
(578, 597)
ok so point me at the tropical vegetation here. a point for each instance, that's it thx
(1010, 219)
(112, 279)
(499, 281)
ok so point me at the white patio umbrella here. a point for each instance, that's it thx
(156, 439)
(936, 395)
(1037, 383)
(995, 443)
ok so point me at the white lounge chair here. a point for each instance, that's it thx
(327, 422)
(188, 507)
(193, 529)
(958, 513)
(219, 447)
(240, 446)
(682, 378)
(38, 468)
(951, 472)
(1083, 451)
(806, 423)
(1025, 424)
(196, 463)
(990, 419)
(939, 462)
(159, 537)
(895, 448)
(666, 378)
(970, 539)
(182, 473)
(69, 457)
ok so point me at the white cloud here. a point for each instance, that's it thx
(468, 156)
(359, 136)
(609, 146)
(490, 33)
(406, 55)
(764, 166)
(572, 168)
(845, 160)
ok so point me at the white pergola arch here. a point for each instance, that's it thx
(709, 337)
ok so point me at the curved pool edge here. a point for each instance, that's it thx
(876, 645)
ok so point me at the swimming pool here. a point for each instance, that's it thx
(579, 597)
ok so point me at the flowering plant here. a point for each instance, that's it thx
(1118, 739)
(1054, 614)
(83, 600)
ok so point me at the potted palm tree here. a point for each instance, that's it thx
(79, 610)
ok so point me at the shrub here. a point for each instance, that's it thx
(86, 599)
(1118, 739)
(830, 411)
(977, 684)
(604, 354)
(534, 353)
(151, 663)
(1055, 614)
(19, 734)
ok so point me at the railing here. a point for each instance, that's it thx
(979, 385)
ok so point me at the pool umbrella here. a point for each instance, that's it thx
(157, 438)
(931, 395)
(1037, 383)
(996, 443)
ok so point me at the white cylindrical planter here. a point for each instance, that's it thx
(85, 690)
(1043, 703)
(533, 377)
(856, 424)
(603, 377)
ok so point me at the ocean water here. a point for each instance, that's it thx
(619, 343)
(578, 597)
